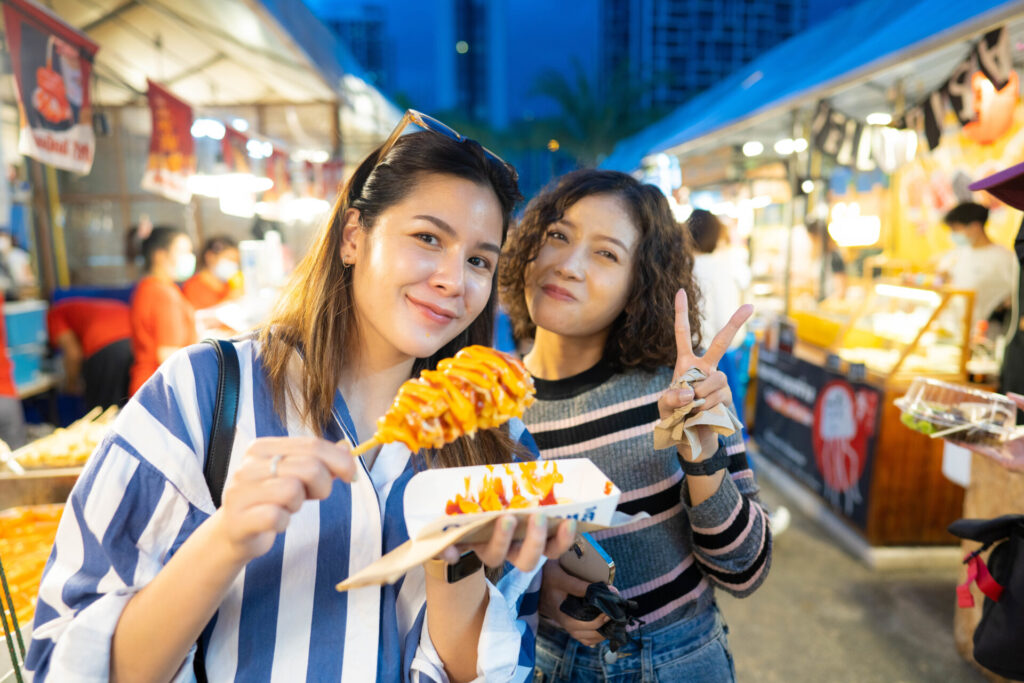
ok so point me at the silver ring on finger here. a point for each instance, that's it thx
(274, 462)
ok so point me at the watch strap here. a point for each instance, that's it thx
(702, 468)
(468, 564)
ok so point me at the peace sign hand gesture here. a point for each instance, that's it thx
(715, 389)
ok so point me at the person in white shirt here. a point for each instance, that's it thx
(976, 263)
(721, 282)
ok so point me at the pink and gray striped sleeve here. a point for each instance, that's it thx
(731, 538)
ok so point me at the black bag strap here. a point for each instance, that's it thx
(225, 414)
(220, 442)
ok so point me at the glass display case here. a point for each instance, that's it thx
(895, 331)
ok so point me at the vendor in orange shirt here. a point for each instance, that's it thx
(94, 337)
(163, 320)
(215, 282)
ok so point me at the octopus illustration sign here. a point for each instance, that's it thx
(820, 427)
(52, 63)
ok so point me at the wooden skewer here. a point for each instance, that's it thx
(364, 446)
(11, 461)
(951, 430)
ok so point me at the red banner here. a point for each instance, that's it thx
(323, 181)
(235, 151)
(172, 157)
(334, 172)
(52, 63)
(277, 170)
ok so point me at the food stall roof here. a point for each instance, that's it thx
(867, 44)
(229, 52)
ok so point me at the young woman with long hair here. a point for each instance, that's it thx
(401, 276)
(600, 276)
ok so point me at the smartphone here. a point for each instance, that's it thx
(587, 560)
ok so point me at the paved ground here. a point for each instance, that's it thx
(823, 616)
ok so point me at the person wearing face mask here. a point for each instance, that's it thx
(162, 319)
(219, 268)
(977, 264)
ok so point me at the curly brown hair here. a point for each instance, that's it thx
(643, 334)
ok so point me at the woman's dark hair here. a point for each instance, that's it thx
(643, 335)
(315, 312)
(215, 246)
(705, 229)
(160, 239)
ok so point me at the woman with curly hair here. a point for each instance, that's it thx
(600, 276)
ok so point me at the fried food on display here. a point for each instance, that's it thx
(479, 388)
(69, 447)
(26, 536)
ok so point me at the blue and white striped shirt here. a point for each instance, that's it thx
(143, 493)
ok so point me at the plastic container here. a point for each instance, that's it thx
(931, 407)
(26, 362)
(25, 322)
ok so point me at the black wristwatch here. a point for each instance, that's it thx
(468, 564)
(718, 461)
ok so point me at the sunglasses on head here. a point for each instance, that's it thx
(433, 125)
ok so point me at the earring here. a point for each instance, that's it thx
(345, 263)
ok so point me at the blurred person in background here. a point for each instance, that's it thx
(162, 319)
(12, 416)
(94, 338)
(721, 284)
(828, 269)
(978, 265)
(218, 278)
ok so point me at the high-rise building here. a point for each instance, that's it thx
(681, 47)
(480, 58)
(361, 30)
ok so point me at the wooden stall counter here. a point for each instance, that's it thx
(843, 439)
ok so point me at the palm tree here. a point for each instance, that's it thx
(593, 119)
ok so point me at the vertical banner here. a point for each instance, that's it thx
(277, 169)
(52, 63)
(820, 427)
(333, 175)
(234, 148)
(172, 157)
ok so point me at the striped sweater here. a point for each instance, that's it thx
(670, 562)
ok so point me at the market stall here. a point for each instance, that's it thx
(246, 133)
(835, 174)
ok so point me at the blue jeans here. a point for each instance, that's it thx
(692, 650)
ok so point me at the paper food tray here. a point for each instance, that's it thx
(583, 493)
(431, 530)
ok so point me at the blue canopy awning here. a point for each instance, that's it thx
(856, 41)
